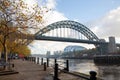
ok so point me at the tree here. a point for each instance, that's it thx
(18, 19)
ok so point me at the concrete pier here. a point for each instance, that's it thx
(112, 45)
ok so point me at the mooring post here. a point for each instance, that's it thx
(93, 75)
(38, 60)
(44, 66)
(55, 60)
(56, 72)
(47, 62)
(67, 65)
(41, 61)
(34, 59)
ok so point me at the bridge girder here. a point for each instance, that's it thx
(72, 25)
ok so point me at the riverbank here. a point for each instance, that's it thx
(31, 71)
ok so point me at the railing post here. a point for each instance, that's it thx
(41, 61)
(93, 75)
(47, 62)
(67, 65)
(38, 60)
(44, 66)
(34, 59)
(55, 60)
(56, 72)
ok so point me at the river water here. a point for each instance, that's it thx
(84, 66)
(105, 72)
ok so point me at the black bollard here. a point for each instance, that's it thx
(47, 62)
(93, 75)
(44, 66)
(56, 72)
(55, 60)
(38, 60)
(34, 59)
(41, 61)
(67, 65)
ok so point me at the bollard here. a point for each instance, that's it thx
(44, 66)
(93, 75)
(47, 62)
(67, 65)
(55, 60)
(38, 60)
(41, 61)
(34, 59)
(56, 72)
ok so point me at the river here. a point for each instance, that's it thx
(84, 66)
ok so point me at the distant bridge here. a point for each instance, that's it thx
(71, 31)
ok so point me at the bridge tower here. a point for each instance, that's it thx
(112, 48)
(102, 48)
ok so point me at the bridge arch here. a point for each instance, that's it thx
(72, 25)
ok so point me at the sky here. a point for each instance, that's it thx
(100, 16)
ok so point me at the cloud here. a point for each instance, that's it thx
(41, 47)
(53, 16)
(109, 25)
(51, 4)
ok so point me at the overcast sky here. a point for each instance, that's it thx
(101, 16)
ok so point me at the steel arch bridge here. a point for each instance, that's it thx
(71, 25)
(100, 44)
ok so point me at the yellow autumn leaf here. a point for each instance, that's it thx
(6, 3)
(38, 18)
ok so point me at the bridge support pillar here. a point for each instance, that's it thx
(112, 48)
(102, 48)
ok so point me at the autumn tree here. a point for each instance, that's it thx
(21, 49)
(18, 19)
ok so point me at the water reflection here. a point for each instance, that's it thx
(105, 72)
(109, 72)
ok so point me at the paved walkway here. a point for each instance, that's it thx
(27, 71)
(31, 71)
